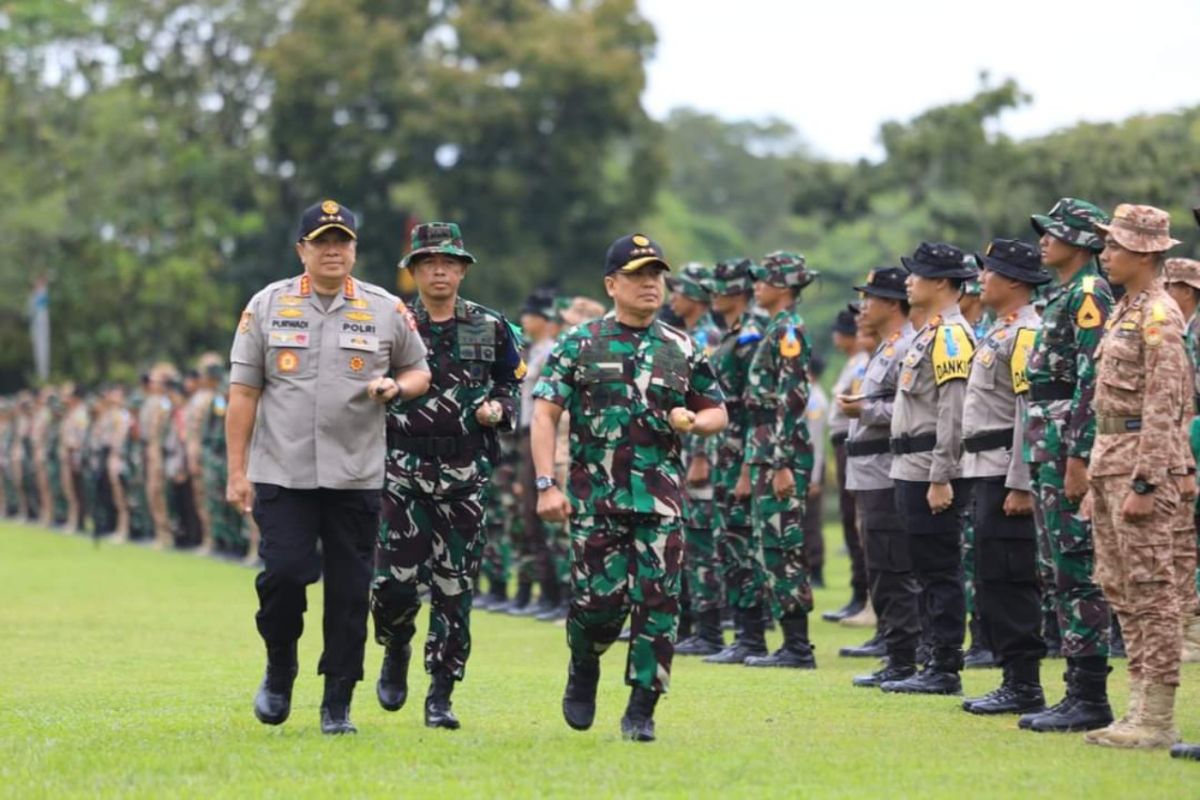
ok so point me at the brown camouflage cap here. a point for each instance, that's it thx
(1072, 221)
(1142, 229)
(1182, 270)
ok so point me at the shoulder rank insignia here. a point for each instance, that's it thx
(244, 324)
(1022, 347)
(789, 345)
(952, 352)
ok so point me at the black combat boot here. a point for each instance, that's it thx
(939, 677)
(797, 650)
(1019, 693)
(520, 601)
(437, 702)
(858, 602)
(555, 607)
(978, 655)
(392, 688)
(496, 597)
(335, 706)
(579, 699)
(872, 648)
(638, 723)
(1085, 708)
(750, 641)
(817, 577)
(901, 666)
(1188, 751)
(708, 639)
(273, 701)
(1051, 635)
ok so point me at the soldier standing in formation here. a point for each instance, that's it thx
(926, 443)
(1007, 597)
(1141, 471)
(309, 382)
(442, 447)
(633, 386)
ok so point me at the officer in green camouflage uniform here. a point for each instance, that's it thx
(1059, 432)
(736, 543)
(780, 454)
(141, 525)
(224, 519)
(54, 465)
(701, 594)
(632, 386)
(442, 447)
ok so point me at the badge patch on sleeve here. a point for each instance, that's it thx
(789, 345)
(1089, 315)
(1022, 347)
(952, 351)
(244, 325)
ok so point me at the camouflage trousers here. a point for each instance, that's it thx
(497, 551)
(736, 542)
(225, 523)
(783, 562)
(627, 566)
(433, 542)
(1084, 617)
(701, 572)
(1185, 540)
(968, 558)
(1145, 572)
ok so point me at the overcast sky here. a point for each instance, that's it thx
(837, 69)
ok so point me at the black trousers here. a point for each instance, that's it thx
(851, 533)
(292, 522)
(1006, 578)
(888, 559)
(935, 546)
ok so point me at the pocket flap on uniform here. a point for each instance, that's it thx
(357, 341)
(289, 339)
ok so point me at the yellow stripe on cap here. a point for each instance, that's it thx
(324, 228)
(638, 263)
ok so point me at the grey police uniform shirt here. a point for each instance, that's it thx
(316, 425)
(996, 393)
(872, 473)
(847, 382)
(816, 413)
(925, 406)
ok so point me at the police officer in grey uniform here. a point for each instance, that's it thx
(1008, 599)
(926, 443)
(893, 589)
(313, 365)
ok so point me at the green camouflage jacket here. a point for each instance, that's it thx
(777, 395)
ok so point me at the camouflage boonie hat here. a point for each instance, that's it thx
(733, 276)
(784, 270)
(1182, 270)
(974, 286)
(693, 282)
(1072, 221)
(431, 238)
(1142, 229)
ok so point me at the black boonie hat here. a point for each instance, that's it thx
(631, 253)
(541, 302)
(1015, 259)
(846, 322)
(326, 215)
(885, 282)
(939, 260)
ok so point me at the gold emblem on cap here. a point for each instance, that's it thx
(330, 207)
(641, 241)
(870, 277)
(991, 246)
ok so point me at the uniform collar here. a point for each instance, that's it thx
(302, 286)
(610, 327)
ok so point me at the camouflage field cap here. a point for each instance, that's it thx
(1072, 221)
(1182, 270)
(784, 270)
(940, 260)
(1142, 229)
(693, 282)
(733, 276)
(430, 238)
(1015, 259)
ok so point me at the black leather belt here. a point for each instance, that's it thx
(1041, 392)
(869, 447)
(989, 440)
(904, 445)
(435, 446)
(838, 439)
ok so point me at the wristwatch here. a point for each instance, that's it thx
(544, 482)
(1141, 487)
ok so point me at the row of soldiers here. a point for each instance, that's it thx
(142, 465)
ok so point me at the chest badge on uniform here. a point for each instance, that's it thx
(360, 316)
(357, 363)
(986, 357)
(291, 300)
(358, 303)
(290, 313)
(287, 361)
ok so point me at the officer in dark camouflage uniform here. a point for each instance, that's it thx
(441, 450)
(632, 386)
(1059, 433)
(737, 547)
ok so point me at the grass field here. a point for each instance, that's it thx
(130, 672)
